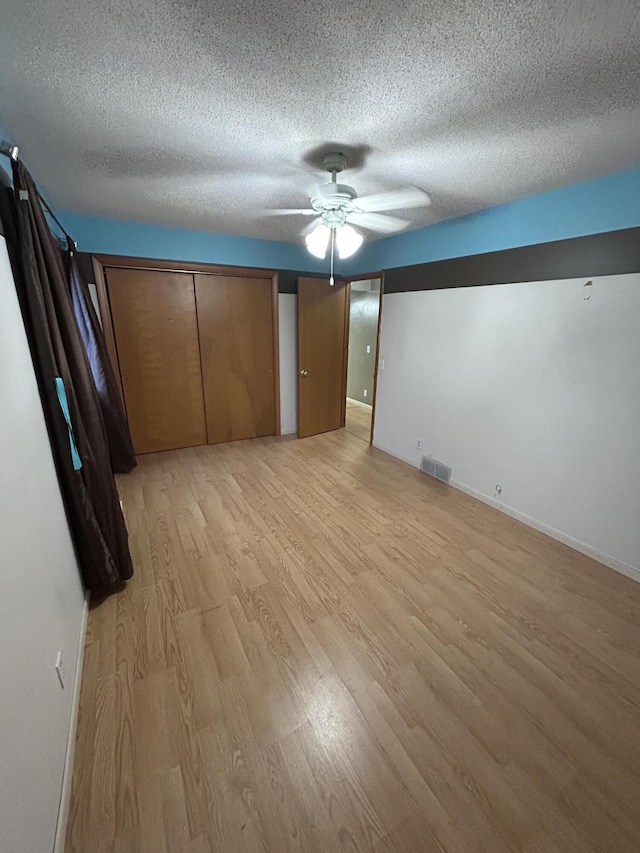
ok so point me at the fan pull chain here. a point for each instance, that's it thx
(333, 242)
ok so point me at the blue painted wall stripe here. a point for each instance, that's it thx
(604, 204)
(116, 237)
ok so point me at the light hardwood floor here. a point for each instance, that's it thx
(324, 650)
(358, 419)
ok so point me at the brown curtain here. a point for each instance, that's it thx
(120, 445)
(77, 432)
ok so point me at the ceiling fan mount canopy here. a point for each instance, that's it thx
(334, 161)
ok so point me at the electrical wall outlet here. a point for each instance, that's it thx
(418, 444)
(365, 392)
(62, 675)
(368, 348)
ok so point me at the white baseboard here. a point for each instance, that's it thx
(576, 544)
(65, 795)
(359, 403)
(395, 455)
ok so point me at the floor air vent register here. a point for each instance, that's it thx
(435, 469)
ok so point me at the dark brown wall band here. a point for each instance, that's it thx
(609, 253)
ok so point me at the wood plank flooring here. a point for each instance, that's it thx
(324, 650)
(358, 419)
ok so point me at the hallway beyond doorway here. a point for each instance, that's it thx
(358, 419)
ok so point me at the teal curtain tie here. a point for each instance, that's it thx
(64, 405)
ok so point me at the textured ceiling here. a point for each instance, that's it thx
(201, 114)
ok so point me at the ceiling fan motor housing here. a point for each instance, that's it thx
(333, 196)
(334, 200)
(339, 204)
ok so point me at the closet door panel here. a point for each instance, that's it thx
(156, 332)
(236, 325)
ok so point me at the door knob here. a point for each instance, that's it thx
(303, 372)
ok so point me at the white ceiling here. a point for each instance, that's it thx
(202, 113)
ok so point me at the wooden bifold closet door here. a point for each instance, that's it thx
(155, 325)
(196, 356)
(236, 324)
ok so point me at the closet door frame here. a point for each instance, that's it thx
(100, 262)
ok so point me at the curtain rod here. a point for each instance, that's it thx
(69, 239)
(13, 152)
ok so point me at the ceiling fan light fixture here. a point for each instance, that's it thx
(348, 241)
(318, 241)
(339, 204)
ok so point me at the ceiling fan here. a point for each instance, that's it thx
(339, 208)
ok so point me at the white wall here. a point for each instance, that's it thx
(288, 334)
(41, 603)
(528, 386)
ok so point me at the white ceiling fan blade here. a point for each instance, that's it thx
(377, 222)
(393, 200)
(292, 211)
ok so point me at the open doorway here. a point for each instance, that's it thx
(364, 310)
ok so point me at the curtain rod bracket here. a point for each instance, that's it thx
(10, 150)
